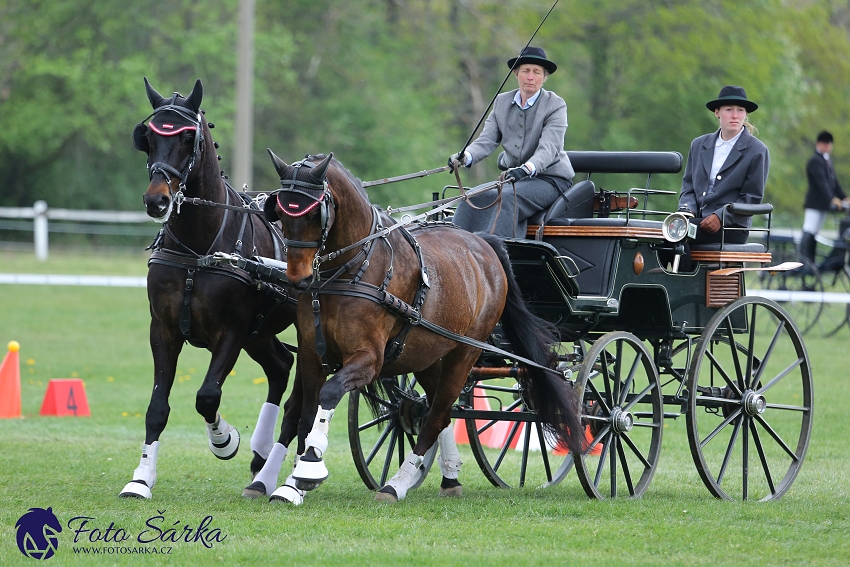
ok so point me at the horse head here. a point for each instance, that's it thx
(306, 209)
(173, 139)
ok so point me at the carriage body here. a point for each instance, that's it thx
(643, 342)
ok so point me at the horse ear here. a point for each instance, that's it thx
(153, 96)
(279, 165)
(194, 100)
(270, 208)
(321, 168)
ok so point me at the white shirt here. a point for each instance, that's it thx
(722, 148)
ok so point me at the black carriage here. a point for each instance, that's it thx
(646, 338)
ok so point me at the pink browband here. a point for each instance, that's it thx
(287, 210)
(168, 129)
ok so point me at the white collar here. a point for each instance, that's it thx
(720, 141)
(529, 103)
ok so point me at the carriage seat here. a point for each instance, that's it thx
(576, 202)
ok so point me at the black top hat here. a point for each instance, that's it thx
(732, 95)
(535, 56)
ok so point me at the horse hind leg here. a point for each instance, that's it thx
(262, 440)
(450, 464)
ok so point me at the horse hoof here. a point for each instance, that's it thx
(450, 488)
(227, 449)
(288, 494)
(453, 492)
(254, 490)
(136, 489)
(387, 494)
(310, 472)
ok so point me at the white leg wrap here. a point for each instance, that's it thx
(270, 471)
(288, 493)
(318, 437)
(223, 438)
(262, 440)
(144, 477)
(406, 475)
(449, 459)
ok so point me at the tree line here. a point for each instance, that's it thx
(395, 86)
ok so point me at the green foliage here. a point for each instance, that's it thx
(395, 86)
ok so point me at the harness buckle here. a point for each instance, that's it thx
(415, 317)
(316, 305)
(178, 197)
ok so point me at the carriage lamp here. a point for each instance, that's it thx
(676, 227)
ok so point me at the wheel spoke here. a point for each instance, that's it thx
(780, 376)
(606, 445)
(389, 458)
(506, 448)
(543, 450)
(772, 432)
(378, 399)
(625, 466)
(377, 446)
(745, 463)
(598, 397)
(720, 427)
(734, 349)
(618, 370)
(762, 457)
(640, 396)
(374, 422)
(621, 399)
(719, 367)
(734, 437)
(636, 451)
(493, 422)
(612, 464)
(524, 460)
(766, 358)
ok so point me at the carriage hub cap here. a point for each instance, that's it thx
(621, 421)
(754, 403)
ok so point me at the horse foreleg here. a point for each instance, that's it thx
(165, 353)
(223, 437)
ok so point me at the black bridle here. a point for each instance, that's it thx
(321, 196)
(141, 143)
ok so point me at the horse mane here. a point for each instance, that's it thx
(355, 181)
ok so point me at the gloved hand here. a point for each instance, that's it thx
(516, 173)
(710, 224)
(462, 159)
(685, 211)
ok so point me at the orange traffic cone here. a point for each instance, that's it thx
(10, 383)
(65, 396)
(461, 436)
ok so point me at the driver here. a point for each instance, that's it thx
(726, 166)
(529, 123)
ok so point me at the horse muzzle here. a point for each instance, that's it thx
(158, 205)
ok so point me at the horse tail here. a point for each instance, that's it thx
(534, 338)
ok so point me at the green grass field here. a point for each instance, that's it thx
(77, 466)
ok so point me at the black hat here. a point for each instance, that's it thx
(732, 95)
(535, 56)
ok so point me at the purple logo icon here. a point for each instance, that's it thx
(38, 533)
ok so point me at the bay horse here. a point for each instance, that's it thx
(218, 308)
(368, 288)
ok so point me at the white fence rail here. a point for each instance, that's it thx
(41, 214)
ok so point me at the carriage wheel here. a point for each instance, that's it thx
(834, 315)
(750, 401)
(623, 408)
(507, 455)
(808, 279)
(379, 444)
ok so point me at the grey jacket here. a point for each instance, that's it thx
(535, 134)
(741, 179)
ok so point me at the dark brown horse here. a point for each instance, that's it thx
(218, 308)
(368, 288)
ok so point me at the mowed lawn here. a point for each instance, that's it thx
(77, 467)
